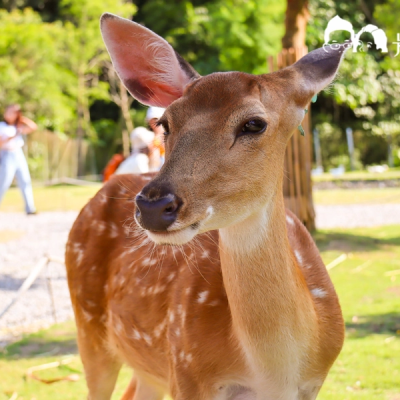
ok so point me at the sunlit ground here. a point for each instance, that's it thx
(368, 284)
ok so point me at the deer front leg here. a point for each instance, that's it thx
(140, 390)
(101, 368)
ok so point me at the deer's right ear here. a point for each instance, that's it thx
(316, 70)
(148, 66)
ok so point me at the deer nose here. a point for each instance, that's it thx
(157, 214)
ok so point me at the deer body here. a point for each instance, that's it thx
(246, 313)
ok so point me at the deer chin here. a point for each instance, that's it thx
(174, 237)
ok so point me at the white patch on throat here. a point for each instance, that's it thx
(247, 235)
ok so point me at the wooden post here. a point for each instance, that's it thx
(297, 185)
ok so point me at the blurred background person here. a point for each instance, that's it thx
(142, 146)
(109, 170)
(12, 159)
(157, 156)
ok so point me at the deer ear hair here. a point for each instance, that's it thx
(317, 69)
(148, 66)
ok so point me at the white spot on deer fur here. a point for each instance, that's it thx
(148, 262)
(113, 230)
(93, 268)
(205, 254)
(210, 211)
(178, 332)
(171, 317)
(299, 257)
(160, 328)
(147, 338)
(318, 292)
(118, 326)
(171, 276)
(88, 317)
(101, 226)
(103, 199)
(88, 212)
(179, 309)
(79, 257)
(202, 297)
(213, 303)
(123, 191)
(290, 220)
(76, 248)
(159, 289)
(187, 291)
(136, 334)
(189, 358)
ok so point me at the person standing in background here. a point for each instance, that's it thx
(142, 146)
(157, 156)
(12, 159)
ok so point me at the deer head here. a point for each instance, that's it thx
(225, 133)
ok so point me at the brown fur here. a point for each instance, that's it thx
(247, 312)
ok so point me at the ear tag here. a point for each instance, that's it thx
(300, 128)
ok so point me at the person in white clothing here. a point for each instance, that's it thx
(157, 156)
(12, 159)
(138, 162)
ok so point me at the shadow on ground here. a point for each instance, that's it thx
(58, 340)
(348, 242)
(386, 324)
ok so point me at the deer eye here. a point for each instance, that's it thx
(253, 126)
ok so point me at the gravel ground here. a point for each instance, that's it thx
(38, 236)
(46, 233)
(354, 216)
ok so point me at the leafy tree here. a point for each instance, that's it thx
(85, 55)
(30, 72)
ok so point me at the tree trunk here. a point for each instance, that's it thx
(125, 104)
(295, 24)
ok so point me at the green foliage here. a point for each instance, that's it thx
(30, 72)
(218, 35)
(365, 95)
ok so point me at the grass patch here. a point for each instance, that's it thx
(369, 292)
(51, 198)
(357, 196)
(368, 367)
(393, 173)
(54, 344)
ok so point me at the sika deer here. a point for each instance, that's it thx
(247, 312)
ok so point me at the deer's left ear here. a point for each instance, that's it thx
(315, 71)
(148, 66)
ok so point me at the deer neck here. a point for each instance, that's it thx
(266, 291)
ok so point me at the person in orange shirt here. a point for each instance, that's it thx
(157, 155)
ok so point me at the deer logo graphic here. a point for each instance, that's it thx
(339, 24)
